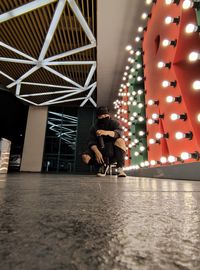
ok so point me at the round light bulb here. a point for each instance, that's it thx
(158, 135)
(170, 99)
(161, 64)
(187, 4)
(155, 116)
(179, 135)
(144, 15)
(198, 117)
(150, 121)
(140, 29)
(166, 42)
(196, 85)
(140, 105)
(190, 28)
(141, 133)
(150, 102)
(168, 2)
(132, 70)
(163, 160)
(137, 39)
(152, 141)
(136, 154)
(141, 119)
(193, 56)
(165, 84)
(168, 20)
(142, 148)
(172, 159)
(128, 47)
(174, 116)
(153, 162)
(139, 92)
(185, 155)
(148, 2)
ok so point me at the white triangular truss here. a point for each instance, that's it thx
(48, 63)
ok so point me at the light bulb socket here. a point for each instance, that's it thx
(176, 2)
(196, 155)
(178, 99)
(173, 42)
(177, 20)
(161, 116)
(168, 65)
(183, 116)
(174, 83)
(189, 135)
(166, 135)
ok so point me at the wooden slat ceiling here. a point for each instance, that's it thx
(27, 33)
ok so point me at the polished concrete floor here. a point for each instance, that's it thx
(83, 222)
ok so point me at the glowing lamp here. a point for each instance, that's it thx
(128, 47)
(172, 159)
(196, 85)
(167, 42)
(156, 116)
(159, 135)
(152, 102)
(144, 16)
(141, 133)
(180, 135)
(168, 83)
(170, 99)
(194, 56)
(151, 121)
(192, 28)
(190, 4)
(138, 39)
(186, 155)
(152, 141)
(175, 116)
(163, 65)
(153, 162)
(163, 160)
(169, 20)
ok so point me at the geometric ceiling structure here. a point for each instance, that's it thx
(48, 50)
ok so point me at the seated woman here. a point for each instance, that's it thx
(105, 143)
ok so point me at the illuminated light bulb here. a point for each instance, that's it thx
(170, 99)
(152, 102)
(168, 83)
(172, 159)
(140, 119)
(142, 164)
(153, 162)
(128, 94)
(167, 42)
(127, 67)
(142, 148)
(149, 2)
(169, 20)
(151, 121)
(138, 39)
(120, 90)
(124, 78)
(128, 48)
(198, 117)
(135, 114)
(159, 135)
(152, 141)
(163, 160)
(141, 133)
(132, 118)
(192, 28)
(130, 76)
(156, 116)
(144, 16)
(138, 66)
(180, 135)
(136, 154)
(134, 103)
(131, 60)
(169, 2)
(126, 158)
(128, 84)
(141, 29)
(161, 64)
(194, 56)
(140, 105)
(138, 53)
(136, 141)
(196, 85)
(190, 4)
(140, 78)
(186, 155)
(146, 163)
(140, 92)
(175, 116)
(132, 70)
(134, 93)
(131, 98)
(131, 52)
